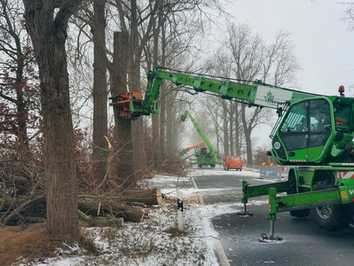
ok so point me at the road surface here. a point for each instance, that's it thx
(304, 242)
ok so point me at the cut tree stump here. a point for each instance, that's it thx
(147, 196)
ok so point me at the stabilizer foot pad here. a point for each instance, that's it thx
(244, 214)
(265, 238)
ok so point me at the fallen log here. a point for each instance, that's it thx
(109, 206)
(147, 196)
(101, 221)
(89, 206)
(22, 208)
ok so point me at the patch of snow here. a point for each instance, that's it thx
(221, 172)
(161, 181)
(60, 261)
(149, 243)
(167, 178)
(188, 192)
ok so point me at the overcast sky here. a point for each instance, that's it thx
(323, 41)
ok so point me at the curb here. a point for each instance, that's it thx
(218, 248)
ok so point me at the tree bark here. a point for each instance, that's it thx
(48, 34)
(155, 118)
(237, 130)
(232, 129)
(247, 132)
(122, 165)
(18, 58)
(226, 129)
(162, 94)
(23, 149)
(171, 141)
(99, 91)
(139, 152)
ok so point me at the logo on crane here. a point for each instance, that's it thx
(269, 97)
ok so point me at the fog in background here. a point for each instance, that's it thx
(322, 37)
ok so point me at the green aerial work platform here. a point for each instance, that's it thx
(205, 156)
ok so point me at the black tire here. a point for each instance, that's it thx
(303, 213)
(332, 217)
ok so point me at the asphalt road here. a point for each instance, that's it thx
(304, 242)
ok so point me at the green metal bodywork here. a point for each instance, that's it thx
(248, 92)
(313, 135)
(204, 156)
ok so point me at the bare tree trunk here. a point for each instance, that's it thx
(155, 117)
(155, 141)
(247, 132)
(139, 152)
(99, 91)
(121, 164)
(23, 150)
(174, 134)
(226, 129)
(162, 122)
(217, 139)
(48, 36)
(163, 96)
(232, 129)
(170, 117)
(22, 147)
(237, 130)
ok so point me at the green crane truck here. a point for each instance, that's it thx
(313, 135)
(205, 156)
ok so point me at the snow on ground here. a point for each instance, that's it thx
(220, 172)
(185, 193)
(163, 181)
(68, 261)
(167, 179)
(152, 242)
(149, 243)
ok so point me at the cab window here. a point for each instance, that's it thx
(343, 117)
(308, 124)
(296, 120)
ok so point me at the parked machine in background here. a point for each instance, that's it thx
(233, 163)
(313, 136)
(205, 155)
(191, 147)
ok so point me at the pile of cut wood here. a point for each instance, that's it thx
(104, 209)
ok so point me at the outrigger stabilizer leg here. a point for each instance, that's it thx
(273, 209)
(251, 191)
(244, 200)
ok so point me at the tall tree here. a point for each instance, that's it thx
(254, 59)
(46, 22)
(15, 68)
(122, 161)
(99, 90)
(155, 119)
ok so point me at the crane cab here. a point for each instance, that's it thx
(313, 130)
